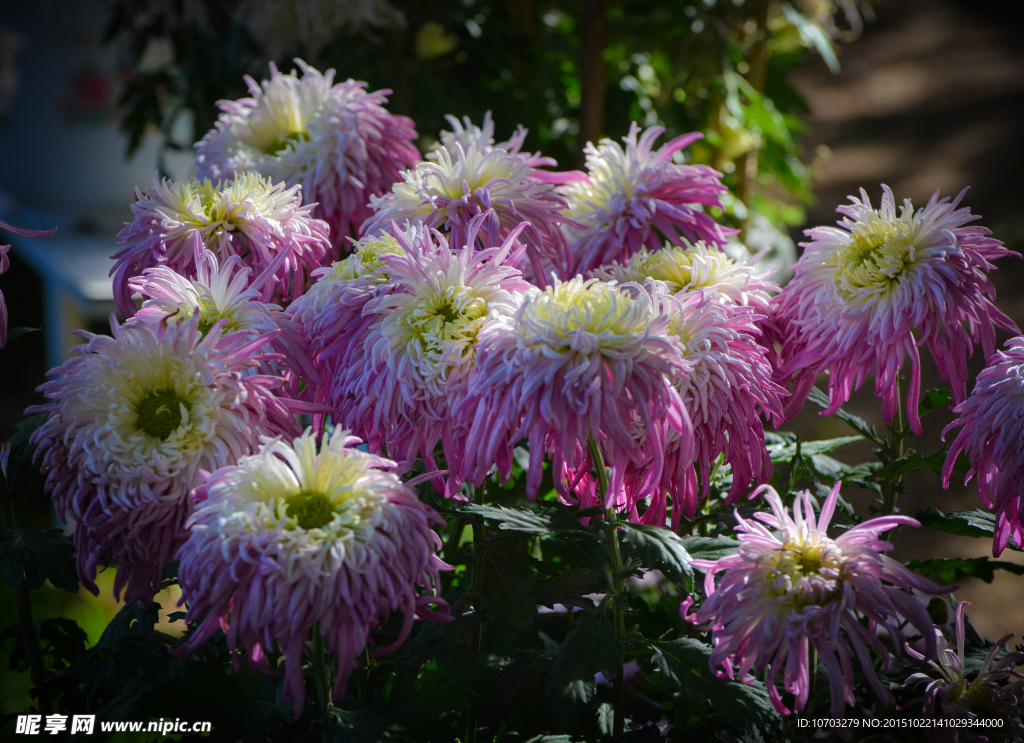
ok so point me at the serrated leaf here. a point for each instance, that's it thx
(858, 424)
(590, 648)
(977, 524)
(949, 569)
(526, 521)
(933, 399)
(685, 674)
(708, 548)
(34, 556)
(659, 548)
(784, 453)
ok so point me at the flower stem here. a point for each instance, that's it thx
(479, 545)
(323, 682)
(891, 489)
(616, 586)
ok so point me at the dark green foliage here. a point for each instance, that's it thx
(30, 557)
(950, 569)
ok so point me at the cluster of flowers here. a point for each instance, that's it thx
(484, 301)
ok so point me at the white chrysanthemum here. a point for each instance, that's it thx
(132, 422)
(336, 140)
(279, 24)
(298, 536)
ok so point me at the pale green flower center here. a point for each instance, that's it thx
(310, 510)
(284, 140)
(876, 258)
(807, 572)
(160, 414)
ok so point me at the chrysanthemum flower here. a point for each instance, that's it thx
(465, 182)
(291, 538)
(579, 360)
(132, 421)
(951, 696)
(992, 435)
(414, 345)
(5, 264)
(467, 134)
(725, 392)
(223, 294)
(790, 588)
(337, 141)
(634, 198)
(861, 292)
(250, 217)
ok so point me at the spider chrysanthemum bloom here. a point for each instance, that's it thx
(950, 696)
(133, 419)
(636, 197)
(293, 538)
(416, 344)
(865, 295)
(992, 435)
(250, 217)
(790, 588)
(337, 141)
(462, 183)
(5, 264)
(727, 390)
(222, 293)
(579, 361)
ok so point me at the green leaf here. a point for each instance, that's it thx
(130, 614)
(34, 556)
(949, 569)
(933, 399)
(509, 583)
(658, 548)
(962, 523)
(813, 35)
(786, 452)
(590, 648)
(858, 424)
(685, 674)
(526, 521)
(708, 548)
(15, 333)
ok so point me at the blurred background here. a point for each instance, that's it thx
(802, 103)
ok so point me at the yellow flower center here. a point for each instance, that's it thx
(310, 510)
(807, 573)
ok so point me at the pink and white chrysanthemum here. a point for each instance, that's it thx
(790, 588)
(5, 264)
(725, 392)
(336, 141)
(636, 197)
(950, 696)
(416, 346)
(294, 538)
(222, 293)
(250, 217)
(133, 419)
(465, 182)
(578, 361)
(467, 134)
(861, 293)
(992, 435)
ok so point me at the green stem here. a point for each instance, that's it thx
(323, 682)
(616, 587)
(479, 546)
(890, 491)
(26, 624)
